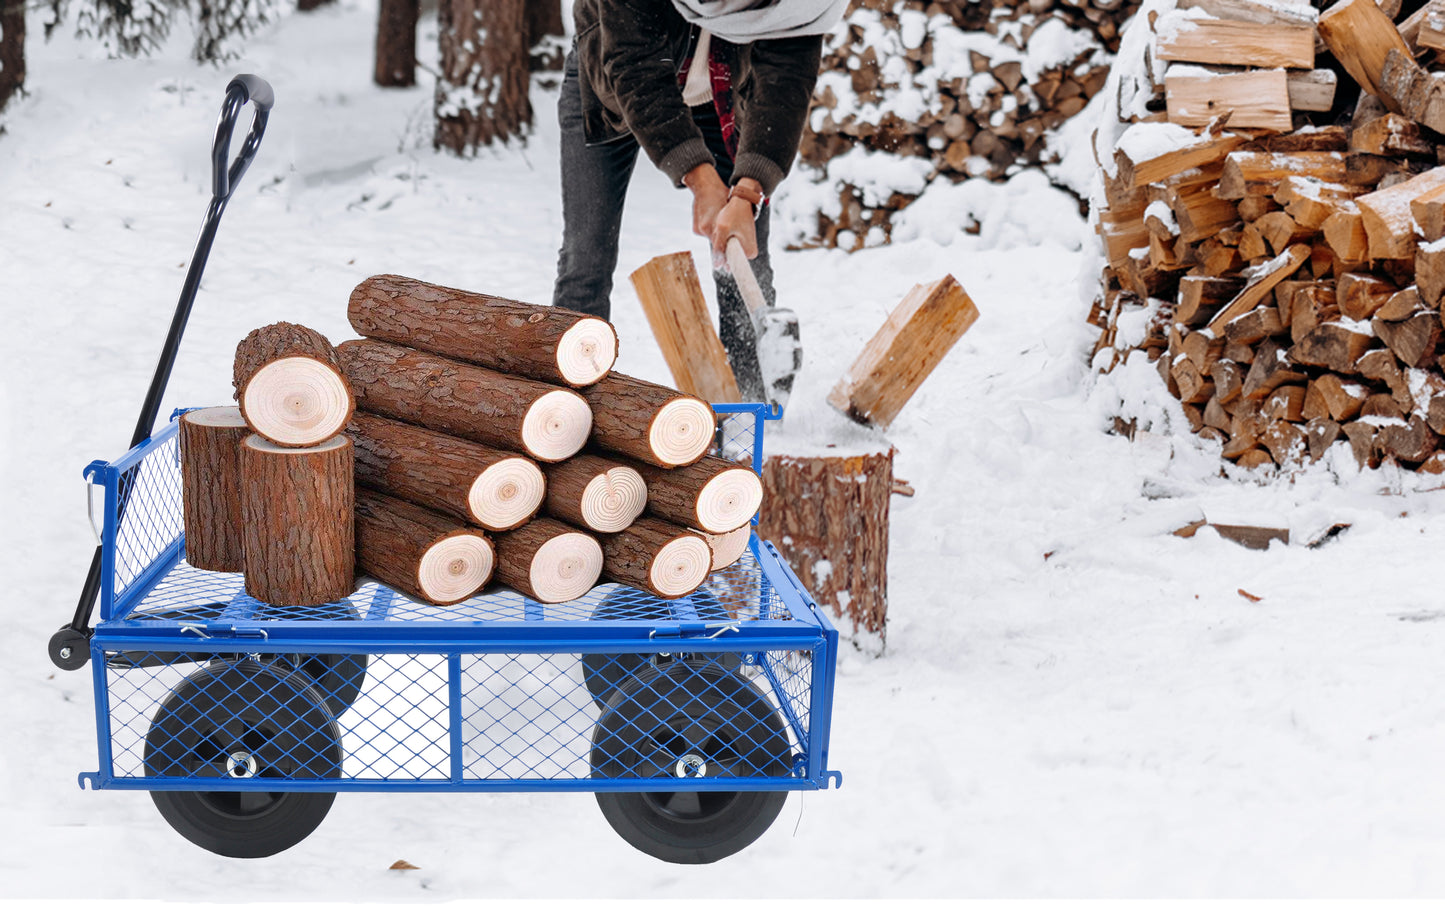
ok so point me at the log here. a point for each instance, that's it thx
(1389, 224)
(1402, 305)
(1360, 36)
(728, 547)
(297, 517)
(1254, 326)
(1320, 435)
(595, 493)
(492, 488)
(1257, 99)
(1285, 442)
(1200, 297)
(1260, 12)
(522, 339)
(649, 422)
(210, 443)
(1381, 366)
(290, 385)
(905, 350)
(543, 421)
(1309, 307)
(658, 557)
(671, 297)
(424, 554)
(1200, 214)
(548, 561)
(1361, 436)
(1230, 43)
(1411, 90)
(713, 495)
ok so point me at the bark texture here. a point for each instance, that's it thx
(548, 561)
(626, 410)
(394, 538)
(210, 441)
(12, 50)
(713, 495)
(304, 418)
(396, 43)
(595, 493)
(644, 556)
(482, 95)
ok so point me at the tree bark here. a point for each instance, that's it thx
(492, 488)
(297, 511)
(423, 554)
(658, 557)
(210, 441)
(290, 385)
(595, 493)
(548, 561)
(396, 43)
(544, 21)
(481, 97)
(523, 339)
(521, 415)
(652, 423)
(713, 495)
(12, 50)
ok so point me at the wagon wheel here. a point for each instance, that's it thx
(240, 719)
(603, 673)
(688, 719)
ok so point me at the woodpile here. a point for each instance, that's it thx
(1279, 254)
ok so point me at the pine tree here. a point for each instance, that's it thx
(481, 96)
(12, 49)
(223, 25)
(137, 28)
(396, 43)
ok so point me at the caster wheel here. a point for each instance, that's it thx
(69, 649)
(338, 677)
(603, 673)
(239, 719)
(690, 719)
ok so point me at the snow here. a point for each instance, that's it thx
(1073, 701)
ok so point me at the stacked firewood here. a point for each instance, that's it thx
(483, 438)
(972, 89)
(1286, 276)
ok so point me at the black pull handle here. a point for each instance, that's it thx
(226, 174)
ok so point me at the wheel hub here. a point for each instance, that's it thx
(691, 765)
(241, 765)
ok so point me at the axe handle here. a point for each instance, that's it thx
(743, 273)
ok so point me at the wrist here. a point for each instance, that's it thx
(750, 191)
(703, 179)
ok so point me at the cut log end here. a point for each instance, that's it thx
(613, 500)
(224, 416)
(682, 431)
(680, 566)
(728, 548)
(506, 494)
(297, 401)
(729, 500)
(265, 445)
(587, 351)
(455, 568)
(565, 567)
(556, 426)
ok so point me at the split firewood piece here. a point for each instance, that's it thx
(1260, 173)
(1222, 41)
(1391, 134)
(1361, 295)
(297, 508)
(1334, 138)
(522, 339)
(290, 385)
(1310, 202)
(1260, 12)
(1270, 370)
(1215, 415)
(1320, 434)
(1429, 212)
(1412, 340)
(548, 561)
(1413, 91)
(1345, 233)
(1409, 440)
(595, 493)
(1430, 272)
(1414, 24)
(1207, 150)
(1202, 349)
(1199, 213)
(1333, 345)
(1431, 35)
(1260, 281)
(1194, 384)
(1251, 239)
(1257, 99)
(1402, 305)
(1254, 458)
(1228, 379)
(1381, 366)
(714, 495)
(905, 350)
(1360, 36)
(1284, 403)
(1361, 436)
(493, 488)
(1254, 326)
(658, 557)
(1312, 90)
(648, 421)
(1280, 231)
(543, 421)
(728, 547)
(424, 554)
(1435, 414)
(210, 441)
(1285, 442)
(1388, 221)
(672, 300)
(1200, 297)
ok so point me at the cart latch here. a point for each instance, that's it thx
(696, 630)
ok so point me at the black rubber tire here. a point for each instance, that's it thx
(338, 677)
(668, 714)
(603, 673)
(265, 711)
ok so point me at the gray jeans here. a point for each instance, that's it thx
(594, 188)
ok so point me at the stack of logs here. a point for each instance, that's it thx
(467, 416)
(1291, 274)
(981, 117)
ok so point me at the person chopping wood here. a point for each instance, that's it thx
(717, 93)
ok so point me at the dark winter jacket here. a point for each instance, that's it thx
(630, 56)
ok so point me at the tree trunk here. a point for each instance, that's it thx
(421, 553)
(307, 6)
(481, 96)
(828, 518)
(520, 415)
(290, 385)
(595, 493)
(12, 49)
(396, 43)
(713, 495)
(548, 561)
(658, 557)
(650, 422)
(488, 487)
(544, 22)
(210, 441)
(297, 508)
(539, 342)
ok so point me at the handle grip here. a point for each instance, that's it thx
(226, 174)
(743, 273)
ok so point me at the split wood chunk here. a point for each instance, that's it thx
(1311, 202)
(1360, 36)
(1260, 173)
(658, 557)
(1312, 90)
(713, 495)
(1430, 272)
(1381, 406)
(1257, 99)
(1381, 366)
(1413, 91)
(548, 561)
(290, 385)
(905, 350)
(1310, 307)
(1254, 326)
(1194, 386)
(1238, 43)
(1284, 403)
(595, 493)
(1208, 150)
(1409, 440)
(1202, 350)
(523, 339)
(1320, 434)
(1391, 134)
(210, 442)
(1335, 346)
(1228, 379)
(1260, 12)
(1254, 458)
(1428, 210)
(1261, 280)
(495, 489)
(1200, 297)
(521, 415)
(1414, 24)
(728, 547)
(1361, 436)
(1311, 139)
(1435, 414)
(1200, 214)
(1215, 415)
(649, 422)
(1270, 370)
(1412, 340)
(1402, 305)
(297, 510)
(1361, 295)
(1285, 442)
(1388, 221)
(424, 554)
(1345, 233)
(672, 300)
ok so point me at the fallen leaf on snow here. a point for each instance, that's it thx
(1249, 597)
(403, 865)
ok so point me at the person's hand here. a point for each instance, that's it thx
(709, 196)
(735, 220)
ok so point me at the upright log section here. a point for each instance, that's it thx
(713, 495)
(828, 518)
(297, 506)
(671, 297)
(595, 493)
(424, 554)
(658, 557)
(523, 339)
(652, 423)
(210, 441)
(548, 561)
(520, 415)
(290, 385)
(495, 489)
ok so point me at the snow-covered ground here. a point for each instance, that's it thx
(1073, 701)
